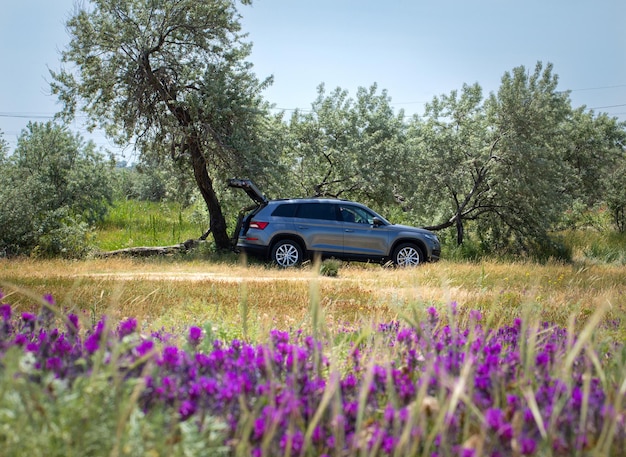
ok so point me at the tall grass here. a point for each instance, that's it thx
(132, 223)
(439, 381)
(176, 292)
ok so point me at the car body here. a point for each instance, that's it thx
(290, 230)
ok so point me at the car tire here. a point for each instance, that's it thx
(287, 253)
(407, 255)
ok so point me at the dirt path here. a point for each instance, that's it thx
(190, 276)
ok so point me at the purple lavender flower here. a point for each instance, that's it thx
(126, 327)
(294, 440)
(527, 446)
(5, 312)
(92, 343)
(144, 348)
(186, 409)
(195, 336)
(28, 317)
(171, 357)
(54, 364)
(475, 315)
(72, 323)
(494, 418)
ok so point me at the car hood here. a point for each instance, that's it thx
(408, 228)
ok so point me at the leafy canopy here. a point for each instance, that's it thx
(495, 162)
(54, 185)
(171, 76)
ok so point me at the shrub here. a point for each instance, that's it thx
(52, 185)
(330, 267)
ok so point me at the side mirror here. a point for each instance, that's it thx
(377, 222)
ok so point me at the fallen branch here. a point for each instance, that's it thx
(147, 251)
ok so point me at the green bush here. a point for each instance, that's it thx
(330, 267)
(52, 186)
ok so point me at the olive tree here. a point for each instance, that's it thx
(497, 162)
(53, 187)
(595, 154)
(4, 147)
(351, 148)
(170, 75)
(615, 196)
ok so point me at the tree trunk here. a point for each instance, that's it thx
(205, 184)
(460, 231)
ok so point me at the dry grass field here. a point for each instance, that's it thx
(237, 300)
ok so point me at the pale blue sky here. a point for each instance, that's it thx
(413, 49)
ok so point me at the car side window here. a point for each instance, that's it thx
(323, 211)
(285, 210)
(355, 214)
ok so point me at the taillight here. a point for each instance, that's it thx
(258, 225)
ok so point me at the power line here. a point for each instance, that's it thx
(598, 88)
(609, 106)
(27, 116)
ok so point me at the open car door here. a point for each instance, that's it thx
(255, 194)
(250, 188)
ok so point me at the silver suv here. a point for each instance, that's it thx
(288, 231)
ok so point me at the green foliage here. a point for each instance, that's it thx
(615, 198)
(552, 248)
(4, 147)
(594, 154)
(330, 268)
(498, 162)
(155, 181)
(348, 148)
(172, 76)
(54, 186)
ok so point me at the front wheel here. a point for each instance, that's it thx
(407, 255)
(287, 253)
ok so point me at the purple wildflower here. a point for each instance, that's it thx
(494, 418)
(54, 364)
(73, 322)
(5, 312)
(144, 348)
(186, 410)
(293, 440)
(92, 343)
(527, 446)
(195, 336)
(475, 315)
(127, 327)
(28, 317)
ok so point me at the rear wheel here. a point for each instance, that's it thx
(407, 255)
(287, 253)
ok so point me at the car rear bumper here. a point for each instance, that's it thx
(252, 249)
